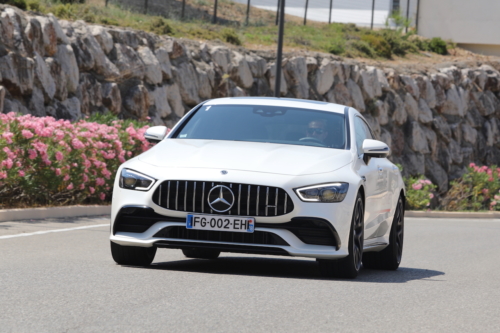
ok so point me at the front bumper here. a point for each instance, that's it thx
(337, 216)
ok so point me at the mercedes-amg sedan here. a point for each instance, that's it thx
(270, 176)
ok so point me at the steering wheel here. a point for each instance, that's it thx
(312, 140)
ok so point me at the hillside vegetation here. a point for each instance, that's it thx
(340, 39)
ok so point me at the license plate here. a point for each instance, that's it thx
(220, 223)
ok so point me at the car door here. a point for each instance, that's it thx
(370, 173)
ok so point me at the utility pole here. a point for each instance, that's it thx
(407, 23)
(373, 10)
(145, 6)
(305, 12)
(183, 7)
(279, 54)
(278, 12)
(416, 19)
(214, 20)
(248, 10)
(330, 16)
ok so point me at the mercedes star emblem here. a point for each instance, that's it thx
(220, 198)
(224, 172)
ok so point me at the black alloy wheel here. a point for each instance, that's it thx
(349, 266)
(132, 255)
(390, 257)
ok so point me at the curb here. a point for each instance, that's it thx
(7, 215)
(453, 215)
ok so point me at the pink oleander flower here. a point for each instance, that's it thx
(58, 172)
(70, 186)
(8, 137)
(497, 197)
(21, 173)
(3, 174)
(77, 144)
(8, 163)
(27, 134)
(490, 179)
(100, 181)
(431, 195)
(47, 162)
(102, 196)
(485, 191)
(417, 186)
(92, 190)
(74, 165)
(59, 156)
(472, 165)
(18, 164)
(66, 178)
(85, 178)
(493, 203)
(82, 186)
(32, 154)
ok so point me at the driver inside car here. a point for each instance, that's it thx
(317, 130)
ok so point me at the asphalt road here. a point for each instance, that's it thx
(449, 281)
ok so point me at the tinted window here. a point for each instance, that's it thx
(362, 132)
(266, 124)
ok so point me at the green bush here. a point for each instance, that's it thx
(379, 44)
(477, 189)
(72, 1)
(160, 26)
(230, 36)
(363, 48)
(21, 4)
(438, 46)
(337, 46)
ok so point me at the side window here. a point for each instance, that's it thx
(362, 132)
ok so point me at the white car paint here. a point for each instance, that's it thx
(285, 166)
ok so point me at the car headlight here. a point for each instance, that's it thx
(133, 180)
(334, 192)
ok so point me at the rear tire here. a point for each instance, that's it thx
(348, 267)
(201, 253)
(390, 257)
(132, 255)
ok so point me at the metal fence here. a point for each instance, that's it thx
(369, 13)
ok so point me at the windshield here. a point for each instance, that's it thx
(273, 124)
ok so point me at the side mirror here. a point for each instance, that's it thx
(155, 134)
(375, 148)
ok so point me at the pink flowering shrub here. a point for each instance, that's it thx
(419, 192)
(477, 189)
(44, 161)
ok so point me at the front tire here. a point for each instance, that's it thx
(390, 257)
(348, 267)
(132, 255)
(201, 253)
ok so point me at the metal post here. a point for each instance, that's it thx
(407, 15)
(214, 20)
(145, 6)
(416, 19)
(183, 8)
(373, 10)
(330, 16)
(278, 12)
(279, 54)
(248, 11)
(305, 12)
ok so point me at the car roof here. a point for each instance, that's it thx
(275, 101)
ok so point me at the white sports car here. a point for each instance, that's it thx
(271, 176)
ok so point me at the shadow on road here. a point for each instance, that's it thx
(289, 268)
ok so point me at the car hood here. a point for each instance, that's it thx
(245, 156)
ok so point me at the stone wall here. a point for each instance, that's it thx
(436, 121)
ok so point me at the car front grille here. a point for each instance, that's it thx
(249, 200)
(257, 237)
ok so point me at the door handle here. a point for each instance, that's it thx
(364, 178)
